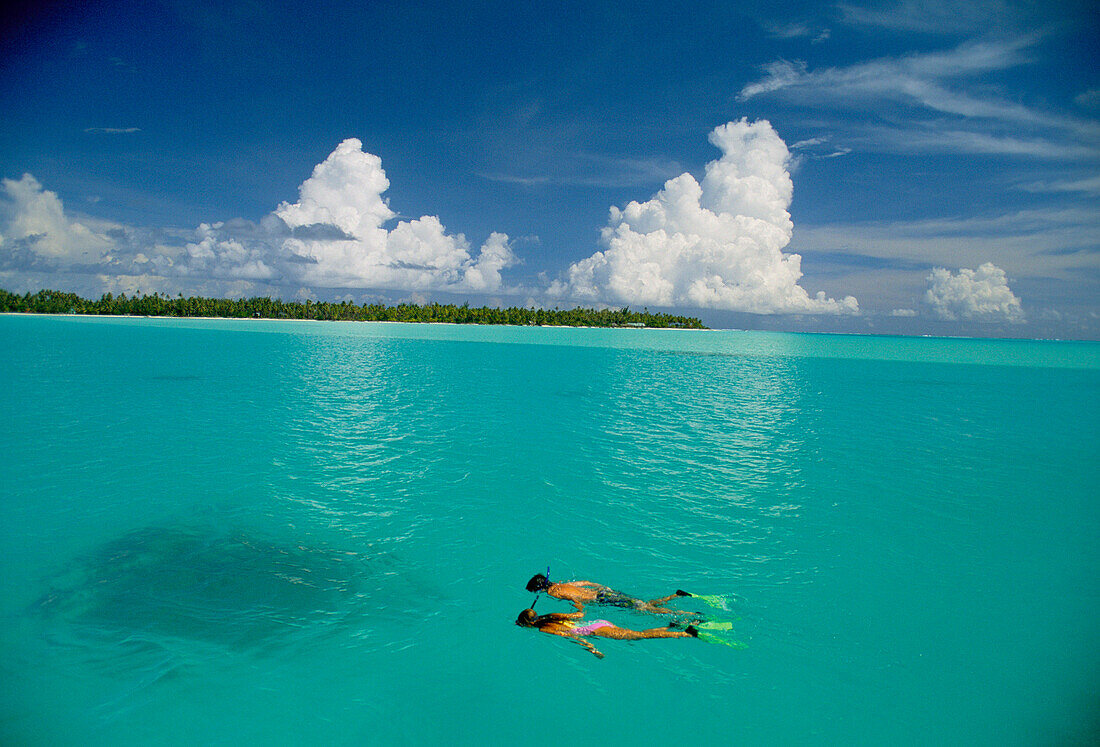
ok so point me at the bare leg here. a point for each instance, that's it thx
(654, 605)
(625, 634)
(665, 633)
(661, 610)
(662, 600)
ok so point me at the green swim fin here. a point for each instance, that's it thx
(721, 601)
(704, 635)
(714, 625)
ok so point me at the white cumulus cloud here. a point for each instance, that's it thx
(345, 190)
(339, 238)
(716, 244)
(35, 222)
(226, 258)
(340, 233)
(981, 294)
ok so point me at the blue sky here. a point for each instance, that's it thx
(907, 166)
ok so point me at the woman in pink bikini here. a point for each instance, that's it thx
(567, 625)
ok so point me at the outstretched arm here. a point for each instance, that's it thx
(558, 616)
(575, 615)
(582, 642)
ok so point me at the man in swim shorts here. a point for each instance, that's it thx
(589, 592)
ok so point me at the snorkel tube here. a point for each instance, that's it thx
(546, 586)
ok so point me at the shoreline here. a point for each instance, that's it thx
(362, 321)
(197, 307)
(879, 335)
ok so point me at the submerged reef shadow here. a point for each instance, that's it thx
(156, 599)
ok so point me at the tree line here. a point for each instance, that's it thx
(57, 302)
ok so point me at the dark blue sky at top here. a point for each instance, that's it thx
(530, 118)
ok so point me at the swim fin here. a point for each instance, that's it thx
(713, 625)
(720, 601)
(704, 635)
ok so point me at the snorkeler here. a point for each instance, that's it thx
(588, 592)
(567, 625)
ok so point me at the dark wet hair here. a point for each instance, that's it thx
(531, 619)
(538, 582)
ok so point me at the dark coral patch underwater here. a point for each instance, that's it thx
(230, 590)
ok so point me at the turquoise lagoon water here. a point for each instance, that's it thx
(227, 532)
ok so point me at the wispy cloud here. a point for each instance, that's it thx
(933, 138)
(1090, 185)
(935, 101)
(1089, 99)
(798, 30)
(915, 79)
(111, 130)
(933, 16)
(815, 148)
(1051, 243)
(526, 181)
(595, 170)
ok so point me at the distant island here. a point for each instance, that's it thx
(56, 302)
